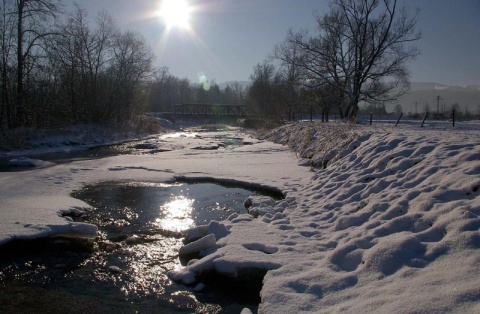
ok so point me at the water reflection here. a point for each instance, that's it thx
(145, 208)
(179, 135)
(137, 221)
(177, 214)
(125, 269)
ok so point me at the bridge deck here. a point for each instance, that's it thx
(198, 109)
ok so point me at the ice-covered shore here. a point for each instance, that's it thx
(388, 221)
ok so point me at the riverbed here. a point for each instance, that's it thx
(128, 270)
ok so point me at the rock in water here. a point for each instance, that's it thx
(248, 203)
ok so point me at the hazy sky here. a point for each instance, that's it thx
(228, 37)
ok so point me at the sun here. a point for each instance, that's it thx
(175, 13)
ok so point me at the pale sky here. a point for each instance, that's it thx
(228, 37)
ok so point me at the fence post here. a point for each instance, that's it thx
(453, 117)
(424, 117)
(401, 114)
(371, 115)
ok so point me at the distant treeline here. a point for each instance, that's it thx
(62, 68)
(166, 90)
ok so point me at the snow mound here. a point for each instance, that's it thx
(233, 255)
(319, 145)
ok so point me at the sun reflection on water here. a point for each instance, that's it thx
(177, 214)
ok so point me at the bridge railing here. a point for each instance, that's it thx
(200, 109)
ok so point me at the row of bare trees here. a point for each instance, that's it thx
(274, 94)
(358, 53)
(61, 68)
(167, 90)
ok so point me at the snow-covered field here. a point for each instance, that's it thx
(388, 222)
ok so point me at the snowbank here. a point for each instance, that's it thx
(318, 146)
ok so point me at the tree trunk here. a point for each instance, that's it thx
(353, 113)
(340, 112)
(19, 112)
(5, 115)
(352, 109)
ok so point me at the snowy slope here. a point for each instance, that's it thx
(393, 226)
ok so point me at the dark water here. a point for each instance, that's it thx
(75, 154)
(72, 153)
(125, 269)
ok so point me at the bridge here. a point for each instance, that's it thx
(195, 111)
(209, 110)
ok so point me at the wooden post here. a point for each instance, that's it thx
(453, 117)
(424, 117)
(401, 114)
(371, 116)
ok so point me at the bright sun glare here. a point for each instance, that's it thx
(175, 13)
(178, 214)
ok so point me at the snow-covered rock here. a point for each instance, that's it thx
(201, 244)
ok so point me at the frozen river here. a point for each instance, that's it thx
(140, 222)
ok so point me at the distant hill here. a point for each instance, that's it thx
(426, 93)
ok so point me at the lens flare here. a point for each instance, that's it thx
(202, 78)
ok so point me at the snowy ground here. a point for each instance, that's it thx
(388, 222)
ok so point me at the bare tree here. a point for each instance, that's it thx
(167, 90)
(131, 66)
(74, 71)
(238, 93)
(361, 49)
(260, 93)
(30, 32)
(84, 54)
(325, 97)
(288, 53)
(7, 38)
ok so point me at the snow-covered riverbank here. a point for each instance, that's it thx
(389, 222)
